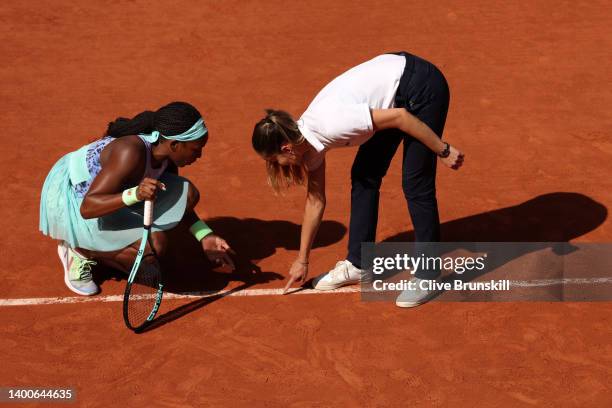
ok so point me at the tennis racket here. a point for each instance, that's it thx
(144, 289)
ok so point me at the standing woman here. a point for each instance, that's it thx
(92, 198)
(376, 105)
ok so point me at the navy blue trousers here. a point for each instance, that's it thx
(422, 91)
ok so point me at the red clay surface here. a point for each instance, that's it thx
(529, 107)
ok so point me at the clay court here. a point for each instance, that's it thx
(530, 107)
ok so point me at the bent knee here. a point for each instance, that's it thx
(193, 197)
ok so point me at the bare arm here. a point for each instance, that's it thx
(313, 211)
(123, 163)
(313, 214)
(400, 118)
(216, 249)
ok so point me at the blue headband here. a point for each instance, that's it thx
(197, 131)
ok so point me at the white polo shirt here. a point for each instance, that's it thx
(339, 115)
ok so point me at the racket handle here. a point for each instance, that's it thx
(148, 213)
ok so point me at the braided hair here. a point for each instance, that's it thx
(172, 119)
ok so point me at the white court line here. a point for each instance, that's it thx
(268, 292)
(186, 295)
(568, 281)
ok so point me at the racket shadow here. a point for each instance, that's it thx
(183, 310)
(187, 270)
(250, 275)
(208, 282)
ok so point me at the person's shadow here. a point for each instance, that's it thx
(544, 220)
(553, 217)
(252, 239)
(188, 271)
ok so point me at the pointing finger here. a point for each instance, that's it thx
(288, 285)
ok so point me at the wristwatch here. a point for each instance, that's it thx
(445, 152)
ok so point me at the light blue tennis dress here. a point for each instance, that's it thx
(67, 184)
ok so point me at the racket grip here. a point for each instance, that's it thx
(148, 213)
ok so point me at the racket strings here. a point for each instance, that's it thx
(143, 292)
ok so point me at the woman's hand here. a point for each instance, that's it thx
(400, 118)
(218, 251)
(454, 160)
(297, 273)
(147, 189)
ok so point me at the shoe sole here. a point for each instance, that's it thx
(409, 304)
(399, 303)
(332, 286)
(61, 253)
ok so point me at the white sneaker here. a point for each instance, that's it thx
(418, 296)
(344, 273)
